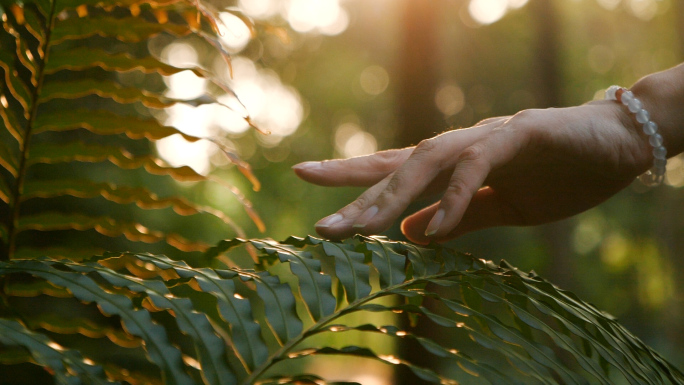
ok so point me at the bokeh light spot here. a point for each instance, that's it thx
(609, 4)
(374, 80)
(644, 9)
(601, 59)
(185, 85)
(260, 9)
(351, 141)
(308, 15)
(450, 99)
(180, 55)
(235, 34)
(487, 11)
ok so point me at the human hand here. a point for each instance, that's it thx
(537, 166)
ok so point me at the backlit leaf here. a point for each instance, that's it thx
(105, 226)
(137, 321)
(68, 366)
(127, 29)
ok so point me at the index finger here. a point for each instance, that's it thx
(361, 171)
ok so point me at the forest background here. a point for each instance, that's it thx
(340, 78)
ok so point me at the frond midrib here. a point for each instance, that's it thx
(25, 144)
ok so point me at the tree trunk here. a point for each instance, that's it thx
(417, 76)
(417, 72)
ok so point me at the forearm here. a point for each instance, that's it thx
(662, 94)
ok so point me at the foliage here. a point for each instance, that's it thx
(245, 324)
(76, 130)
(75, 155)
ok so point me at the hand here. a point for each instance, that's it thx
(537, 166)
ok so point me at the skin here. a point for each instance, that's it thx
(534, 167)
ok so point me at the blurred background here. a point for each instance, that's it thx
(342, 78)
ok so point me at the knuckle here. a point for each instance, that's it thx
(361, 203)
(472, 154)
(457, 187)
(392, 188)
(387, 161)
(525, 115)
(426, 147)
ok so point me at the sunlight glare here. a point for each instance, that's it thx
(180, 55)
(272, 105)
(352, 141)
(487, 11)
(374, 80)
(450, 99)
(235, 34)
(260, 9)
(179, 152)
(185, 85)
(609, 4)
(644, 9)
(515, 4)
(194, 121)
(310, 15)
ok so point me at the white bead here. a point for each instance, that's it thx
(660, 163)
(627, 96)
(656, 140)
(650, 128)
(648, 178)
(611, 92)
(660, 152)
(634, 105)
(643, 116)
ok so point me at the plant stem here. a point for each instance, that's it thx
(24, 146)
(282, 352)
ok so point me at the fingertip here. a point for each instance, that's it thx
(434, 225)
(414, 226)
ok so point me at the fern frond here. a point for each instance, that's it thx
(67, 365)
(63, 95)
(246, 324)
(136, 321)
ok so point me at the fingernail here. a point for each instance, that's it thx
(367, 215)
(434, 224)
(329, 220)
(307, 166)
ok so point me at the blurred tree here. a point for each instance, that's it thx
(418, 74)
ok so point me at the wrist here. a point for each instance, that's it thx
(662, 94)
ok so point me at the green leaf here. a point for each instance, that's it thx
(245, 332)
(79, 88)
(104, 122)
(106, 226)
(356, 351)
(424, 261)
(82, 58)
(19, 90)
(34, 26)
(314, 287)
(350, 269)
(8, 160)
(142, 197)
(68, 365)
(388, 262)
(11, 122)
(474, 368)
(5, 191)
(71, 4)
(209, 347)
(51, 153)
(137, 321)
(127, 29)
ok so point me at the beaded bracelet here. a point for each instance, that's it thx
(656, 174)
